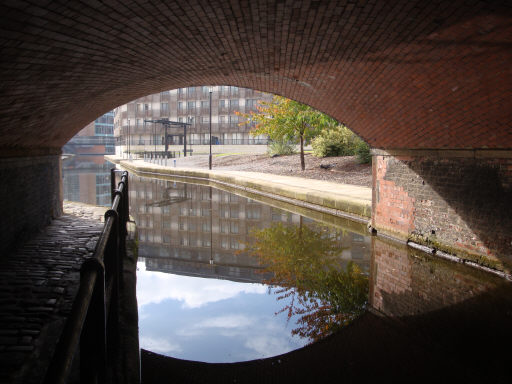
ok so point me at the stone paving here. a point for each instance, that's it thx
(38, 283)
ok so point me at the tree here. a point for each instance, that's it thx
(285, 119)
(306, 267)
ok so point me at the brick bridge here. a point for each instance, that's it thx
(426, 83)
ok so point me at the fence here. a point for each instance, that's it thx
(94, 320)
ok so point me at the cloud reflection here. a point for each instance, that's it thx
(193, 292)
(210, 320)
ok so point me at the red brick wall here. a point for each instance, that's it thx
(401, 73)
(457, 202)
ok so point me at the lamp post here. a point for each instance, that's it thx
(128, 139)
(210, 89)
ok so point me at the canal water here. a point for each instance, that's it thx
(224, 277)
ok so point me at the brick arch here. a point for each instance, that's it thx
(402, 74)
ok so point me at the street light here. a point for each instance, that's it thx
(210, 89)
(129, 139)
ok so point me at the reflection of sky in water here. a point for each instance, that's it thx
(210, 320)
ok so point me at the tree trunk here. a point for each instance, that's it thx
(302, 162)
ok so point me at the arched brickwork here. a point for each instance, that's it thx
(402, 74)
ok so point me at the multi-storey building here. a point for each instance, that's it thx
(188, 105)
(96, 138)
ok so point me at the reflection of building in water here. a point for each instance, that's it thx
(188, 228)
(87, 179)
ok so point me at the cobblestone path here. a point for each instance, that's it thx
(38, 283)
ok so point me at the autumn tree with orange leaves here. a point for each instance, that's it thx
(285, 119)
(309, 278)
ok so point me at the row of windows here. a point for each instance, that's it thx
(103, 130)
(105, 119)
(182, 106)
(226, 243)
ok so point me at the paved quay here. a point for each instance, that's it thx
(334, 198)
(38, 283)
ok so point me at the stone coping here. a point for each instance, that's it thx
(338, 199)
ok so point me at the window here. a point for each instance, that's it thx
(224, 227)
(164, 108)
(163, 93)
(222, 119)
(205, 104)
(206, 242)
(191, 119)
(250, 103)
(234, 90)
(166, 224)
(205, 227)
(233, 119)
(181, 106)
(233, 212)
(191, 105)
(167, 239)
(253, 213)
(146, 107)
(233, 103)
(234, 244)
(223, 103)
(205, 119)
(234, 227)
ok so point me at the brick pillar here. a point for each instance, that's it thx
(456, 201)
(30, 194)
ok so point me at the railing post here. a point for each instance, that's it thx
(113, 274)
(112, 184)
(93, 337)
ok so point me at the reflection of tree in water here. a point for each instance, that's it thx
(307, 272)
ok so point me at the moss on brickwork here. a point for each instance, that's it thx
(432, 242)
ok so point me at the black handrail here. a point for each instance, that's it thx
(94, 320)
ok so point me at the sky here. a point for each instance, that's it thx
(210, 320)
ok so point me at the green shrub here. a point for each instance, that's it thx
(363, 152)
(280, 147)
(338, 141)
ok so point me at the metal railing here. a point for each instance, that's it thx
(93, 323)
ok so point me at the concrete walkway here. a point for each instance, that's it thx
(38, 283)
(334, 198)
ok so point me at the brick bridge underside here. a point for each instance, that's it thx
(427, 83)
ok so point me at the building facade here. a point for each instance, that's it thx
(188, 105)
(96, 138)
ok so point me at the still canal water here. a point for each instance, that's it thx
(225, 278)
